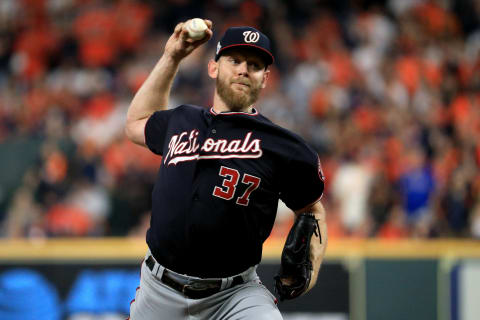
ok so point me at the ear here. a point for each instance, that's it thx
(213, 69)
(265, 78)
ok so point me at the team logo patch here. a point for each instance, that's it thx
(219, 46)
(185, 147)
(251, 37)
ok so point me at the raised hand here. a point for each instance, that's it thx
(180, 45)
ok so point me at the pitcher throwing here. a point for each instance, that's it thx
(222, 172)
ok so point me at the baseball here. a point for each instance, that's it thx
(196, 28)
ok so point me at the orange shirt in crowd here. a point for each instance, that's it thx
(66, 220)
(408, 69)
(131, 22)
(391, 231)
(35, 45)
(94, 31)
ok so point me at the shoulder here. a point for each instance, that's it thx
(285, 142)
(181, 111)
(172, 116)
(280, 131)
(189, 108)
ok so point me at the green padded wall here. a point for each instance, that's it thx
(401, 289)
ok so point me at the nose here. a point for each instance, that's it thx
(242, 68)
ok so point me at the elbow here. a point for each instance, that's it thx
(128, 131)
(316, 208)
(131, 124)
(134, 131)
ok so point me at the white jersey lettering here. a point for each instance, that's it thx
(181, 149)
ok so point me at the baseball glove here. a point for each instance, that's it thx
(296, 268)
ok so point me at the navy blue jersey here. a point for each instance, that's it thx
(216, 194)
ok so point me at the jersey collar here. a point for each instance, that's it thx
(253, 113)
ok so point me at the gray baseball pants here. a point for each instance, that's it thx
(154, 300)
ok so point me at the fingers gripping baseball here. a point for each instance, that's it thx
(180, 45)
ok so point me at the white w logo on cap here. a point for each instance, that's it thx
(251, 36)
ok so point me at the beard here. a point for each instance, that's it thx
(237, 100)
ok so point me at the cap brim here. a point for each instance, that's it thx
(268, 56)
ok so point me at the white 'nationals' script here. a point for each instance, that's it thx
(185, 147)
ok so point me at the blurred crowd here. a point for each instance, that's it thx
(387, 92)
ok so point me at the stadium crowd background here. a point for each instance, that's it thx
(388, 92)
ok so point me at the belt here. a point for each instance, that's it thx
(192, 288)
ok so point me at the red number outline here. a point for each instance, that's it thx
(253, 183)
(229, 183)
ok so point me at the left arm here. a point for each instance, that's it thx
(302, 253)
(304, 249)
(318, 243)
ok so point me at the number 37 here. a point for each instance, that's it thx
(229, 185)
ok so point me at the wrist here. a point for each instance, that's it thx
(171, 59)
(173, 54)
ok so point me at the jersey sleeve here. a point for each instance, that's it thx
(156, 130)
(303, 182)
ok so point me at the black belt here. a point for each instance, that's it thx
(193, 290)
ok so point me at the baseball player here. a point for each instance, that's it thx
(222, 172)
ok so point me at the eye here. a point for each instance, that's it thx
(255, 65)
(234, 60)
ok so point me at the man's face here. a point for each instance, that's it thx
(241, 76)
